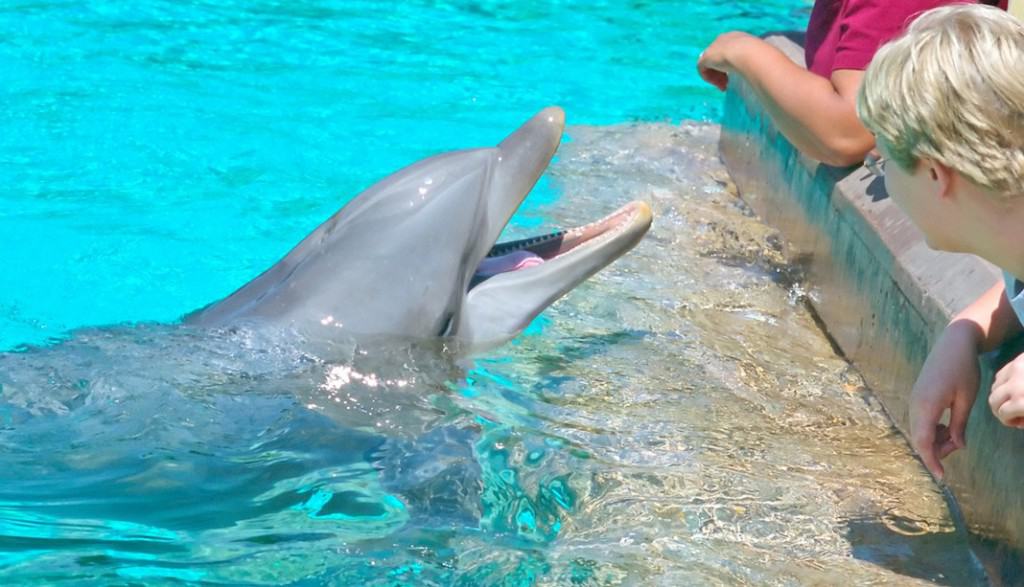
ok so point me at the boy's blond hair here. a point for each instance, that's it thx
(951, 89)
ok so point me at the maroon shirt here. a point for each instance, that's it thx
(844, 34)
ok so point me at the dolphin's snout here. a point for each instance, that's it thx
(538, 137)
(554, 116)
(644, 216)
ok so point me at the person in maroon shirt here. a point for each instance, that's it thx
(815, 107)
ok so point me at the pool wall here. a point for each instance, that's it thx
(882, 295)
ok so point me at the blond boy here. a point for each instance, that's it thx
(946, 104)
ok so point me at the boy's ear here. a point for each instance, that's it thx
(944, 178)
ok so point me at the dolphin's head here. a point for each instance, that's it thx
(402, 258)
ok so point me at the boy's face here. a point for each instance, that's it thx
(919, 194)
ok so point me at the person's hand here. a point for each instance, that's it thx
(1007, 396)
(948, 380)
(716, 62)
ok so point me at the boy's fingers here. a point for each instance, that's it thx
(945, 443)
(958, 414)
(1003, 378)
(1002, 374)
(931, 460)
(1010, 411)
(928, 436)
(923, 440)
(998, 395)
(924, 418)
(1007, 388)
(949, 447)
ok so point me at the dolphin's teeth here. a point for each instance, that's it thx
(511, 247)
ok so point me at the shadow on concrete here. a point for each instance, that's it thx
(902, 546)
(876, 189)
(830, 175)
(1003, 564)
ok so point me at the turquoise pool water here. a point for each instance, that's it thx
(155, 155)
(649, 429)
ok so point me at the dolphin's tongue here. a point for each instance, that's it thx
(513, 261)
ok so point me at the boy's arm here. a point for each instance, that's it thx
(817, 115)
(949, 378)
(993, 318)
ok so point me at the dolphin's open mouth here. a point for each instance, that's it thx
(521, 255)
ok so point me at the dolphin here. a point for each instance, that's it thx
(319, 442)
(415, 256)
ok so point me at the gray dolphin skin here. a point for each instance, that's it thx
(402, 257)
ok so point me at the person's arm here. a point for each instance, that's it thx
(817, 115)
(991, 317)
(949, 378)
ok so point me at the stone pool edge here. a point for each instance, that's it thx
(883, 296)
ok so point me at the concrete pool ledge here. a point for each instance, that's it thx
(880, 292)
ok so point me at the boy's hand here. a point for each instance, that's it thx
(716, 62)
(948, 380)
(1007, 396)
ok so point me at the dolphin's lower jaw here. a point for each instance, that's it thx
(499, 306)
(635, 216)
